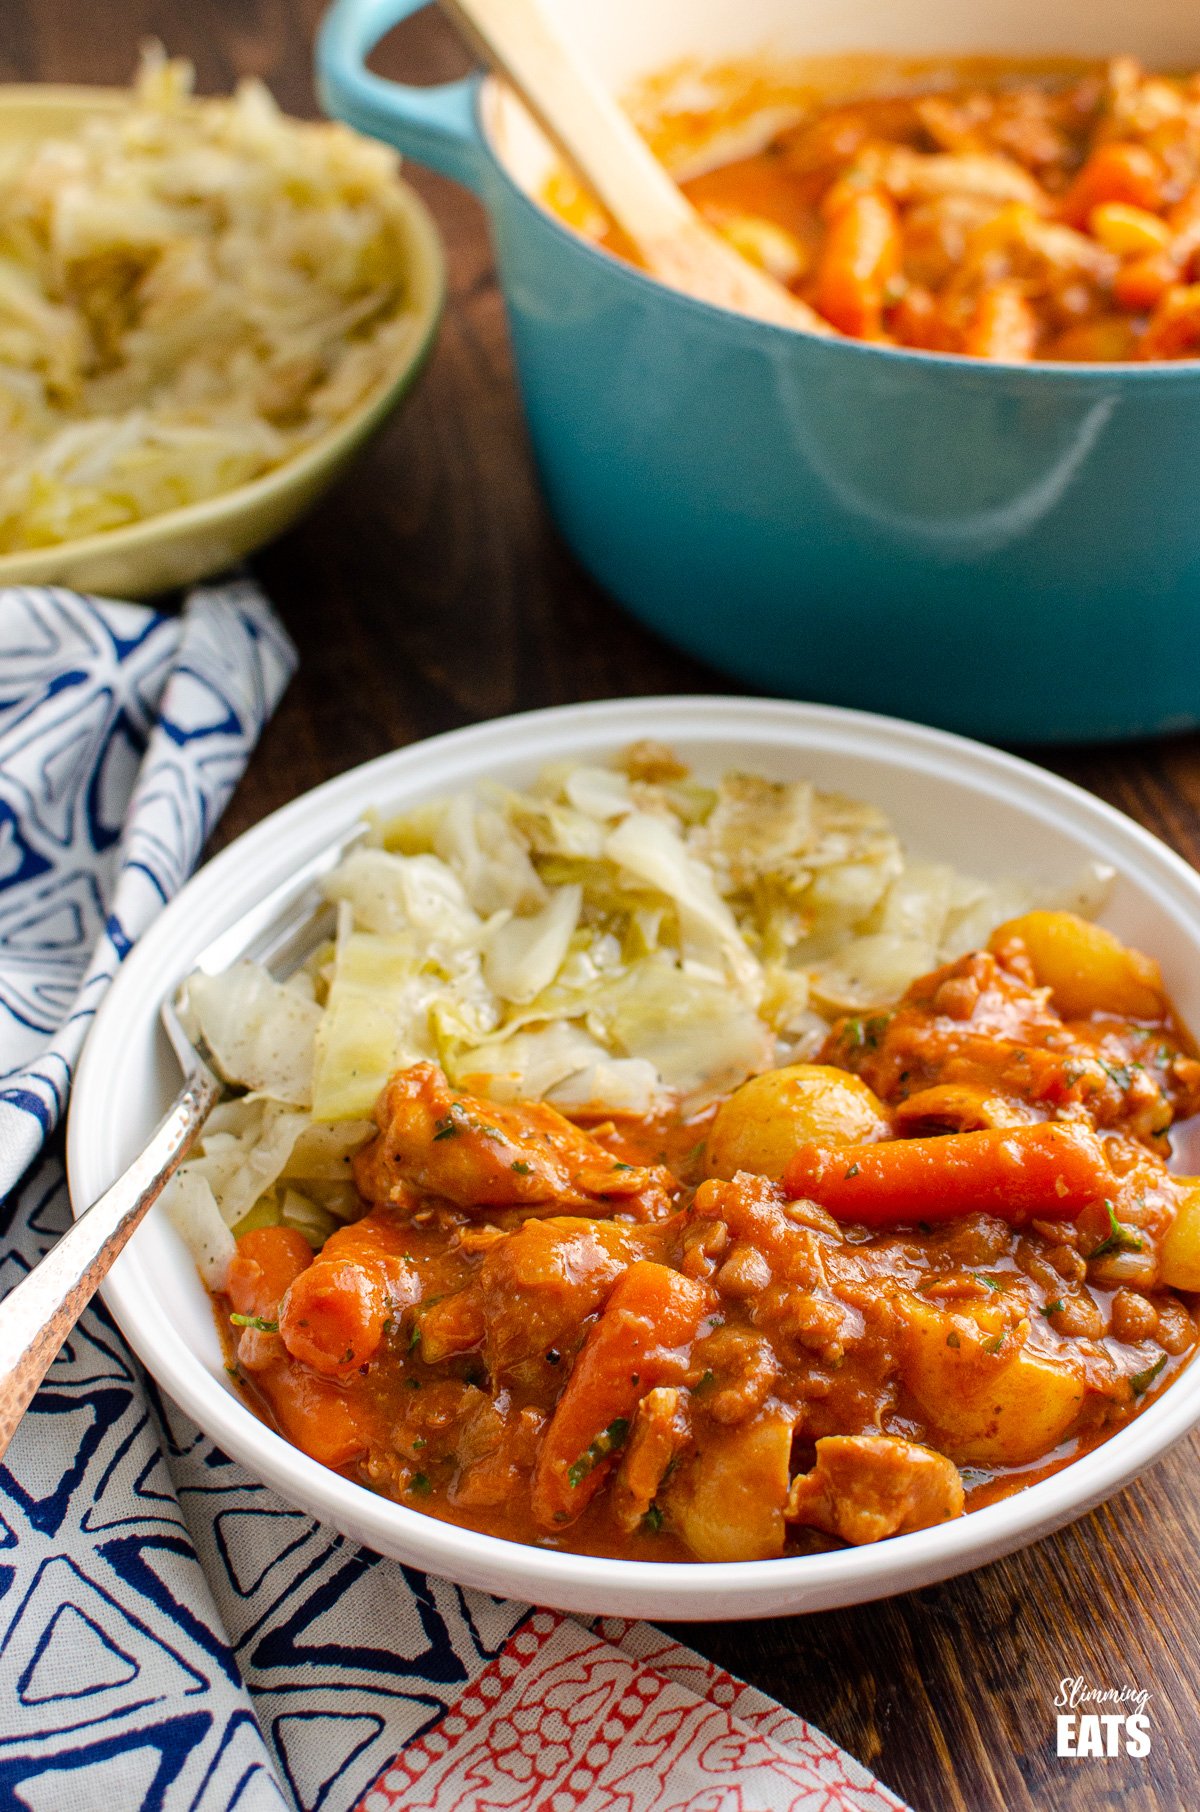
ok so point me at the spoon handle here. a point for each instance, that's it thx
(582, 119)
(37, 1316)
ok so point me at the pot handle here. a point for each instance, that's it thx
(435, 126)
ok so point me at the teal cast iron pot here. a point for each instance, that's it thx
(1008, 550)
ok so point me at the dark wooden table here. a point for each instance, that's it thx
(430, 590)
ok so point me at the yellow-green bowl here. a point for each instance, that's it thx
(180, 546)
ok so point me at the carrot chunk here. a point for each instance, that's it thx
(334, 1314)
(266, 1263)
(1004, 325)
(1174, 327)
(1116, 171)
(860, 257)
(1143, 282)
(1049, 1171)
(315, 1414)
(640, 1341)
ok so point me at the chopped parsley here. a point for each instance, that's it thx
(618, 1165)
(521, 1167)
(446, 1128)
(419, 1482)
(414, 1337)
(704, 1382)
(1054, 1308)
(610, 1440)
(419, 1443)
(989, 1283)
(255, 1321)
(1119, 1238)
(1120, 1073)
(852, 1172)
(653, 1519)
(994, 1344)
(1140, 1383)
(865, 1034)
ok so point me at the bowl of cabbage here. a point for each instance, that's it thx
(280, 288)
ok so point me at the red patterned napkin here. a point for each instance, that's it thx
(620, 1717)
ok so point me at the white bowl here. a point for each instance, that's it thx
(950, 800)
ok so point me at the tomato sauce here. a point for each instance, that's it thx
(856, 1298)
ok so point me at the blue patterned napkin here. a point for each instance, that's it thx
(173, 1637)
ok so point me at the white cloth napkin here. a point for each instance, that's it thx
(172, 1635)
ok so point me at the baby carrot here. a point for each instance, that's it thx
(861, 255)
(1050, 1171)
(1004, 325)
(1116, 171)
(640, 1341)
(266, 1263)
(1143, 282)
(315, 1414)
(334, 1315)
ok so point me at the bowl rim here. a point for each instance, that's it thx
(35, 565)
(580, 1582)
(1064, 373)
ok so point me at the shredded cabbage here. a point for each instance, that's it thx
(617, 941)
(191, 291)
(260, 1032)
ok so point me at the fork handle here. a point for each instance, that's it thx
(37, 1316)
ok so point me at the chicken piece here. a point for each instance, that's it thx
(540, 1286)
(534, 1292)
(866, 1487)
(732, 1504)
(914, 175)
(737, 1369)
(496, 1454)
(985, 1021)
(485, 1154)
(659, 1435)
(449, 1325)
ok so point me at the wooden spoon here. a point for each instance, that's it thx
(674, 243)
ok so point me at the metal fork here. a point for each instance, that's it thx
(37, 1316)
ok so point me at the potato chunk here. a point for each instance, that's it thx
(739, 1489)
(988, 1399)
(866, 1487)
(1086, 968)
(763, 1122)
(659, 1435)
(1179, 1251)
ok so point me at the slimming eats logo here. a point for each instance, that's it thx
(1102, 1720)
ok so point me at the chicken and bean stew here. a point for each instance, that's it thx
(854, 1296)
(1011, 218)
